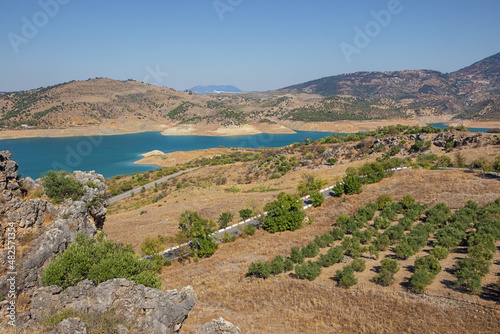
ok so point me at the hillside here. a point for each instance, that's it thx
(470, 92)
(129, 106)
(215, 89)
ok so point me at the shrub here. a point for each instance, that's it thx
(407, 201)
(468, 278)
(249, 229)
(311, 250)
(245, 214)
(206, 247)
(285, 213)
(287, 265)
(390, 265)
(324, 241)
(382, 242)
(61, 185)
(338, 233)
(358, 265)
(338, 189)
(296, 255)
(98, 260)
(383, 201)
(382, 223)
(428, 263)
(317, 198)
(440, 252)
(346, 277)
(420, 279)
(259, 269)
(384, 278)
(224, 219)
(198, 231)
(309, 270)
(334, 255)
(352, 184)
(403, 251)
(277, 265)
(352, 247)
(309, 184)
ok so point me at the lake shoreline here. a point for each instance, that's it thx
(285, 127)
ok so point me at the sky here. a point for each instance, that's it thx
(256, 45)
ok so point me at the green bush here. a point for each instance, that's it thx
(384, 278)
(249, 229)
(225, 219)
(277, 265)
(383, 201)
(310, 250)
(428, 263)
(61, 185)
(198, 231)
(324, 241)
(390, 265)
(334, 255)
(352, 247)
(338, 189)
(207, 247)
(287, 265)
(420, 279)
(310, 183)
(338, 233)
(98, 260)
(358, 265)
(285, 213)
(245, 214)
(317, 198)
(382, 223)
(346, 277)
(407, 201)
(352, 184)
(296, 255)
(259, 269)
(309, 270)
(403, 251)
(439, 252)
(382, 242)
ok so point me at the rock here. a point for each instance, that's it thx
(218, 326)
(150, 310)
(296, 169)
(305, 162)
(328, 153)
(255, 169)
(120, 329)
(70, 326)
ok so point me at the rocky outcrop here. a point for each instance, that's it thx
(218, 326)
(70, 326)
(457, 138)
(148, 310)
(43, 228)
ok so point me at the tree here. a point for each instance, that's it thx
(309, 270)
(259, 269)
(407, 201)
(61, 185)
(383, 201)
(352, 184)
(317, 198)
(338, 189)
(310, 183)
(98, 260)
(224, 219)
(460, 159)
(346, 277)
(285, 213)
(198, 231)
(245, 213)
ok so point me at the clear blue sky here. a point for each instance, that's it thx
(259, 44)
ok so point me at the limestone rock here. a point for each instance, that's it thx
(150, 310)
(218, 326)
(70, 326)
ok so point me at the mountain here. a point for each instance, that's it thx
(215, 89)
(470, 92)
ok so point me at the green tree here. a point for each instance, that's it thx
(61, 185)
(285, 213)
(383, 201)
(259, 269)
(308, 270)
(317, 198)
(224, 219)
(98, 260)
(296, 255)
(310, 183)
(245, 213)
(198, 231)
(352, 184)
(460, 159)
(346, 277)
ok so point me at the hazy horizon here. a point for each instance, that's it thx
(253, 45)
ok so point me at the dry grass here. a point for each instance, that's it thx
(287, 305)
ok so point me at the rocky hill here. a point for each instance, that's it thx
(472, 92)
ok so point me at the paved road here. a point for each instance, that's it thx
(236, 229)
(147, 186)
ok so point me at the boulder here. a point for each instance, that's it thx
(70, 326)
(218, 326)
(149, 310)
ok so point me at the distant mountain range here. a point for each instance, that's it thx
(215, 89)
(470, 93)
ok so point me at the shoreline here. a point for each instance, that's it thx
(286, 127)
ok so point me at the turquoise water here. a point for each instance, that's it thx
(114, 155)
(442, 126)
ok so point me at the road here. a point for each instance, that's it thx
(147, 186)
(236, 229)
